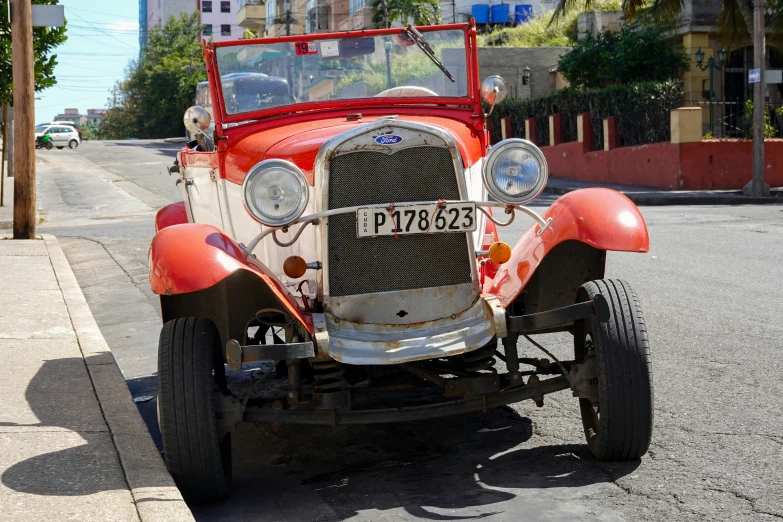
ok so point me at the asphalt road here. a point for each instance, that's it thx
(710, 288)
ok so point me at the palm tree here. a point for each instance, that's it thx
(733, 24)
(422, 12)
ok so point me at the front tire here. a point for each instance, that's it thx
(619, 427)
(73, 144)
(190, 373)
(48, 145)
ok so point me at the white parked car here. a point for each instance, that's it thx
(62, 135)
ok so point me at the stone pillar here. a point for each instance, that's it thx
(686, 124)
(506, 130)
(584, 132)
(611, 136)
(694, 80)
(530, 131)
(554, 130)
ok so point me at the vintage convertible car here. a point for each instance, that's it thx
(340, 222)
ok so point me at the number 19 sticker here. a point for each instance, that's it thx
(305, 48)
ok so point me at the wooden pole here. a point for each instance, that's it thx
(24, 114)
(2, 161)
(757, 185)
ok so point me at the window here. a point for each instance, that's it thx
(225, 30)
(225, 7)
(355, 5)
(207, 30)
(206, 6)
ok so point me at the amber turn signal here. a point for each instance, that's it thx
(294, 267)
(499, 253)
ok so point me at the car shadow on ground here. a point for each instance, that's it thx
(474, 462)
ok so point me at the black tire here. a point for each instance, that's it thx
(48, 145)
(60, 148)
(620, 426)
(73, 144)
(190, 372)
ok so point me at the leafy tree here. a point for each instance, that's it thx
(422, 12)
(90, 131)
(733, 23)
(45, 40)
(619, 58)
(160, 86)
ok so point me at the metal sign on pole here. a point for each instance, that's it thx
(754, 76)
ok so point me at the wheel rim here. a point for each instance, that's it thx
(73, 144)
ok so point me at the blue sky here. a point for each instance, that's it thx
(102, 38)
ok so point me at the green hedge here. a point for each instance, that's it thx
(642, 112)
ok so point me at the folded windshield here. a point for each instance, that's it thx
(259, 76)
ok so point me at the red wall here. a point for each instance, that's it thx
(705, 165)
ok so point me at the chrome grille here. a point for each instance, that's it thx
(385, 263)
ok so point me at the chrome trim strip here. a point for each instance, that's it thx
(314, 218)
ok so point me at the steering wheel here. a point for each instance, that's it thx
(406, 91)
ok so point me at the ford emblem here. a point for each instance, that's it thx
(388, 139)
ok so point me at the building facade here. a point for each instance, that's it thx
(71, 115)
(95, 116)
(218, 17)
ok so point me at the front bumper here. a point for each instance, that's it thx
(380, 344)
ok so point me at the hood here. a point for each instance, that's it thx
(299, 143)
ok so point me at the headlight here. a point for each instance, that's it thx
(275, 192)
(515, 172)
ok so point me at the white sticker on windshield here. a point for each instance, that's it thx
(330, 48)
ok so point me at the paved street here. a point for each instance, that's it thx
(710, 288)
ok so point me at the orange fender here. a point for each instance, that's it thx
(601, 218)
(173, 214)
(192, 257)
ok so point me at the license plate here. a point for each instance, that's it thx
(416, 219)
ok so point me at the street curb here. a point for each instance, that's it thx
(154, 493)
(675, 198)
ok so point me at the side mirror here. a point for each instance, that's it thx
(493, 90)
(197, 120)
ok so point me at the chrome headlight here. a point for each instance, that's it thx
(275, 192)
(515, 171)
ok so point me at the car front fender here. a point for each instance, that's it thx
(601, 218)
(194, 258)
(173, 214)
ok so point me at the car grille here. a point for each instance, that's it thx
(385, 263)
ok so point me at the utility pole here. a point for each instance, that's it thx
(287, 19)
(453, 11)
(2, 161)
(757, 185)
(24, 112)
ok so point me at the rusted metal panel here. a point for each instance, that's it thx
(404, 306)
(374, 344)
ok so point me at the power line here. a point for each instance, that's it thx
(99, 12)
(90, 23)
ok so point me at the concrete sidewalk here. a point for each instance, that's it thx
(72, 443)
(651, 196)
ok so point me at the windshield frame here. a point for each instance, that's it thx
(471, 102)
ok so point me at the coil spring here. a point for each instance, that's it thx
(481, 359)
(328, 375)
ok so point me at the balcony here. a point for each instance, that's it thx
(252, 16)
